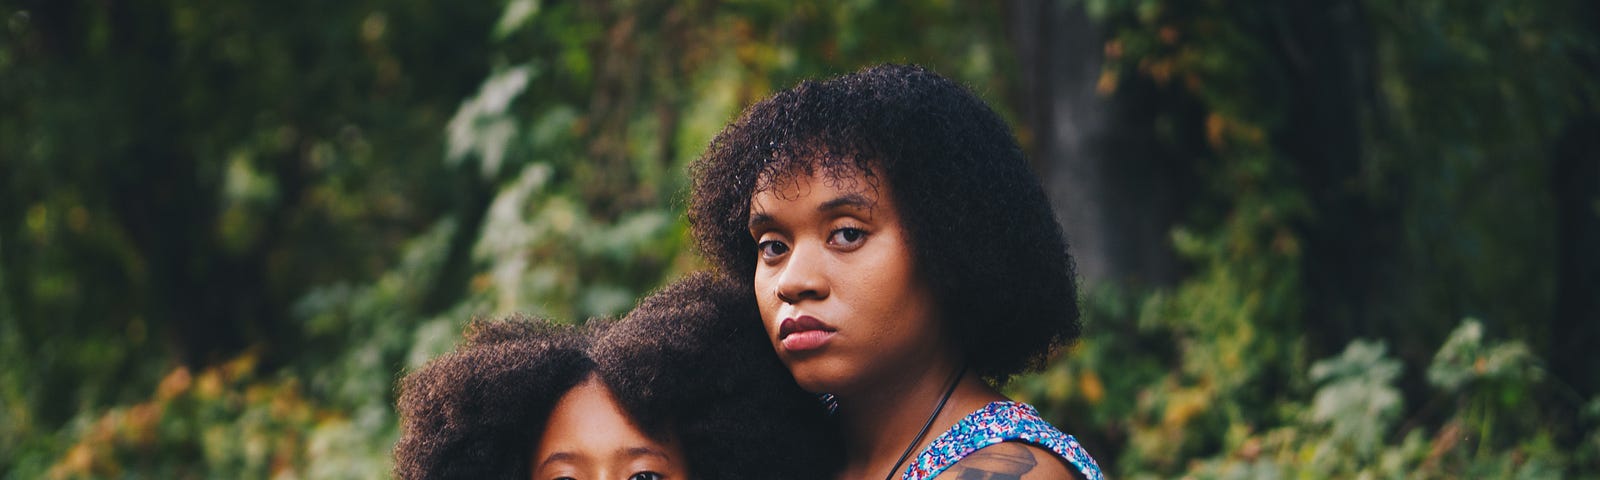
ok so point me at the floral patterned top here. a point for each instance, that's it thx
(994, 423)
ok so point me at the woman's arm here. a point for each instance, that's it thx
(1009, 461)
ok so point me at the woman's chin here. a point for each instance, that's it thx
(817, 379)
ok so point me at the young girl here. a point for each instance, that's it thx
(906, 261)
(685, 386)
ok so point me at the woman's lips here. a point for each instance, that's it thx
(803, 333)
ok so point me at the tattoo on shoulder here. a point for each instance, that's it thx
(1004, 461)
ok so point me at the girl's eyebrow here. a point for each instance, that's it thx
(759, 220)
(853, 200)
(636, 452)
(558, 457)
(627, 452)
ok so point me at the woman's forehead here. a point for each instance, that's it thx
(785, 179)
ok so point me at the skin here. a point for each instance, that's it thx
(590, 437)
(835, 250)
(831, 250)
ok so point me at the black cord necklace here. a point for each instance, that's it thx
(925, 425)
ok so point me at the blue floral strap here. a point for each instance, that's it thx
(995, 423)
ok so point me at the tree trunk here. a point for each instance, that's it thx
(1327, 50)
(1116, 193)
(1575, 182)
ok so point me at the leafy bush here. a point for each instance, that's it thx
(1348, 428)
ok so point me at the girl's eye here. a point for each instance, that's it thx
(848, 238)
(772, 248)
(646, 476)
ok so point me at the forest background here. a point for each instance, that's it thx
(1319, 239)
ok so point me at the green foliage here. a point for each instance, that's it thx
(319, 156)
(1465, 360)
(1453, 163)
(1348, 428)
(221, 422)
(1357, 400)
(1433, 186)
(176, 174)
(274, 212)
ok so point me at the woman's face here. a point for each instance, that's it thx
(835, 280)
(589, 437)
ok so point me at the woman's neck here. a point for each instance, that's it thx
(880, 422)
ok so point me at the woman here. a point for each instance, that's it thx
(684, 387)
(906, 261)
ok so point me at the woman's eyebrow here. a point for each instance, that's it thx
(758, 220)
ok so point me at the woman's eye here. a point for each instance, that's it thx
(646, 476)
(847, 237)
(772, 248)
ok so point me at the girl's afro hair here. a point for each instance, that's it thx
(690, 363)
(477, 412)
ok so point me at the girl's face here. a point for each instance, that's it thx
(839, 294)
(590, 437)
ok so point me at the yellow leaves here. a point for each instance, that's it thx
(174, 384)
(1250, 450)
(373, 27)
(1113, 49)
(1159, 69)
(79, 459)
(745, 47)
(286, 403)
(1231, 358)
(96, 453)
(1107, 84)
(1215, 125)
(1093, 389)
(241, 366)
(1059, 383)
(139, 426)
(38, 220)
(1285, 242)
(1183, 406)
(235, 422)
(209, 386)
(1167, 412)
(1443, 442)
(1168, 34)
(1223, 131)
(1192, 82)
(78, 219)
(482, 282)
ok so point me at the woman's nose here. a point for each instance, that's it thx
(804, 276)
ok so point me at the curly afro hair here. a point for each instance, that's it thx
(981, 229)
(688, 363)
(479, 411)
(692, 360)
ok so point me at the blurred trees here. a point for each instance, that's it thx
(176, 173)
(1364, 170)
(225, 228)
(325, 193)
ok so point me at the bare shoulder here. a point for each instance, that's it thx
(1009, 461)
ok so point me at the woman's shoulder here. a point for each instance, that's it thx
(1011, 459)
(1003, 437)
